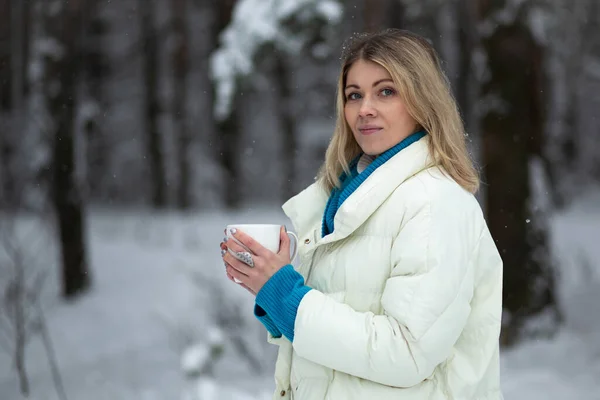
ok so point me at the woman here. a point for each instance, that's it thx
(398, 291)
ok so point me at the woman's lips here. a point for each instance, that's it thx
(369, 131)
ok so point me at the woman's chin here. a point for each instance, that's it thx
(371, 150)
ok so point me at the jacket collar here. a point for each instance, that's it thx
(305, 210)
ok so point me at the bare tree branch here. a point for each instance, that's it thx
(51, 353)
(5, 338)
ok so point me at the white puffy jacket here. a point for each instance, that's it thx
(407, 292)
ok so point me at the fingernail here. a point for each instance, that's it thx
(223, 252)
(285, 228)
(233, 231)
(225, 239)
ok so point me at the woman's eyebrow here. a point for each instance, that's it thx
(374, 84)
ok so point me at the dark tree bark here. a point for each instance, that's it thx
(513, 130)
(375, 15)
(180, 70)
(467, 38)
(6, 149)
(229, 144)
(382, 14)
(8, 184)
(62, 71)
(396, 15)
(5, 54)
(150, 64)
(26, 30)
(14, 38)
(227, 132)
(288, 125)
(95, 70)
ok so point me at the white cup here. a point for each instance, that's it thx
(267, 235)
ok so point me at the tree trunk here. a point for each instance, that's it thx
(21, 26)
(26, 29)
(20, 327)
(17, 120)
(375, 15)
(396, 15)
(14, 47)
(95, 70)
(229, 143)
(152, 104)
(7, 184)
(467, 37)
(382, 14)
(288, 125)
(180, 70)
(62, 70)
(227, 133)
(5, 54)
(512, 129)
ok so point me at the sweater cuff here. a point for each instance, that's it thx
(280, 298)
(264, 318)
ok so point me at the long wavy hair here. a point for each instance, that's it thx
(416, 71)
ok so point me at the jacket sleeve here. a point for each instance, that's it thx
(426, 304)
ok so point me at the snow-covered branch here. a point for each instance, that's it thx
(286, 25)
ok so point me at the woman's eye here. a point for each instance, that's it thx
(353, 96)
(387, 92)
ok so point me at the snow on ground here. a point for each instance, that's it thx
(568, 365)
(124, 340)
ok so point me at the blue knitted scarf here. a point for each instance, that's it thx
(349, 183)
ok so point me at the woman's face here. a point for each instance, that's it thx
(374, 111)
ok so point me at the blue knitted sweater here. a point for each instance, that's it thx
(349, 183)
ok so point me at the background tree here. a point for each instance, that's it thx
(381, 14)
(180, 65)
(467, 42)
(62, 67)
(512, 126)
(7, 183)
(14, 50)
(151, 103)
(95, 71)
(227, 128)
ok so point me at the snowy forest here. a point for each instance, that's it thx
(133, 131)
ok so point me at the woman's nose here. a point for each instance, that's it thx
(367, 109)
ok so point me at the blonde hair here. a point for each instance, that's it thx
(416, 70)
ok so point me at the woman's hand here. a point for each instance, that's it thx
(266, 263)
(238, 248)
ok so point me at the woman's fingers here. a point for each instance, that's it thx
(249, 242)
(229, 276)
(234, 246)
(240, 253)
(284, 242)
(237, 277)
(236, 270)
(237, 265)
